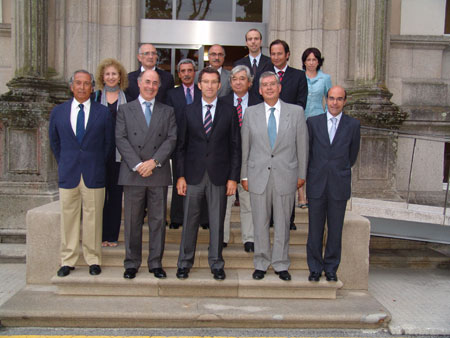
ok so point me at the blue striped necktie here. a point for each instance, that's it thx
(207, 123)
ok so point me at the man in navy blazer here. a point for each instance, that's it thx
(81, 137)
(255, 60)
(333, 148)
(148, 56)
(208, 164)
(179, 98)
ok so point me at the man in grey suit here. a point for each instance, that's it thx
(274, 158)
(216, 56)
(146, 135)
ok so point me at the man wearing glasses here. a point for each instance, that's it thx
(208, 165)
(333, 148)
(216, 56)
(148, 56)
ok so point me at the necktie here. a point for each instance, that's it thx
(148, 112)
(333, 129)
(188, 96)
(254, 67)
(280, 75)
(80, 124)
(207, 123)
(239, 110)
(272, 128)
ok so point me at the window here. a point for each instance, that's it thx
(447, 18)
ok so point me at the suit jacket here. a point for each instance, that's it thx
(252, 99)
(330, 164)
(167, 83)
(138, 143)
(288, 158)
(88, 159)
(265, 64)
(225, 86)
(294, 87)
(219, 154)
(177, 100)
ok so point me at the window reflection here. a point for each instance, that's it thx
(249, 10)
(158, 9)
(212, 10)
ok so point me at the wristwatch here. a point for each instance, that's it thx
(158, 165)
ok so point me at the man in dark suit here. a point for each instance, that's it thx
(333, 148)
(209, 162)
(294, 87)
(148, 56)
(255, 60)
(81, 137)
(146, 134)
(241, 98)
(179, 98)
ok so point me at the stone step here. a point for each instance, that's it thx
(238, 284)
(13, 252)
(234, 255)
(39, 306)
(405, 258)
(298, 236)
(17, 236)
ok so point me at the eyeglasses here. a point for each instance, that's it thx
(214, 55)
(338, 99)
(149, 53)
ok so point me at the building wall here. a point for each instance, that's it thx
(6, 69)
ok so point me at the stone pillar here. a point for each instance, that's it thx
(369, 101)
(28, 175)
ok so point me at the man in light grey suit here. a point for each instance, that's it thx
(216, 56)
(146, 134)
(274, 159)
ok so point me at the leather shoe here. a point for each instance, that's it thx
(64, 270)
(182, 273)
(249, 247)
(130, 273)
(95, 269)
(219, 274)
(331, 276)
(205, 226)
(314, 276)
(258, 274)
(292, 226)
(158, 272)
(284, 275)
(224, 245)
(174, 225)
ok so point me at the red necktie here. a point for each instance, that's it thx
(280, 75)
(239, 111)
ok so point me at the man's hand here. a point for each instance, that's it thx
(231, 187)
(181, 186)
(300, 183)
(146, 168)
(244, 184)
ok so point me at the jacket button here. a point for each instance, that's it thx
(268, 168)
(271, 155)
(139, 146)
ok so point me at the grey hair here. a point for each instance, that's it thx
(240, 68)
(82, 71)
(185, 61)
(267, 74)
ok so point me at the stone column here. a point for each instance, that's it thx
(369, 101)
(28, 175)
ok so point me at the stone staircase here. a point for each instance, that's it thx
(13, 245)
(109, 300)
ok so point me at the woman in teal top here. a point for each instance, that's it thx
(318, 82)
(318, 85)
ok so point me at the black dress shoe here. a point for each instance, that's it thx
(182, 273)
(95, 269)
(64, 271)
(292, 226)
(249, 247)
(130, 273)
(284, 275)
(258, 274)
(314, 276)
(331, 276)
(205, 226)
(224, 245)
(219, 274)
(158, 272)
(174, 225)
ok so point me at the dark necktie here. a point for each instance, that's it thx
(254, 67)
(80, 124)
(188, 96)
(239, 110)
(280, 75)
(207, 123)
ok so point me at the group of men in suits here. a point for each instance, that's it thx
(261, 99)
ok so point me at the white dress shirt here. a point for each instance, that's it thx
(257, 59)
(329, 123)
(74, 113)
(244, 103)
(213, 109)
(276, 113)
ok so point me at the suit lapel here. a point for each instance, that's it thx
(284, 123)
(138, 115)
(93, 115)
(66, 118)
(155, 120)
(217, 117)
(323, 129)
(261, 123)
(341, 129)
